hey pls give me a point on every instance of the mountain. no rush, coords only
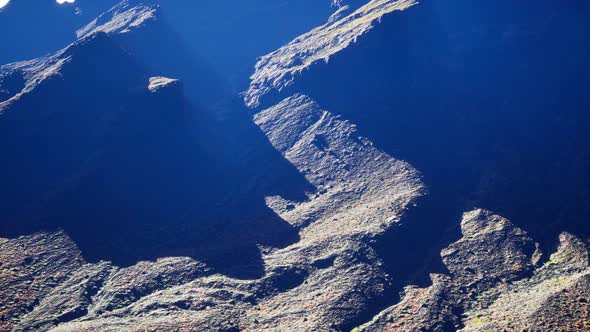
(498, 105)
(231, 34)
(142, 30)
(401, 166)
(53, 28)
(117, 141)
(495, 104)
(34, 28)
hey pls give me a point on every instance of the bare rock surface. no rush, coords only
(359, 188)
(553, 298)
(159, 83)
(278, 70)
(329, 276)
(495, 284)
(125, 17)
(325, 281)
(30, 268)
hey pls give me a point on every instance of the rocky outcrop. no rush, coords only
(141, 28)
(360, 193)
(328, 280)
(30, 268)
(55, 308)
(491, 251)
(34, 28)
(495, 282)
(176, 217)
(553, 298)
(429, 95)
(316, 284)
(360, 187)
(279, 69)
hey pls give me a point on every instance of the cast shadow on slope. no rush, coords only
(493, 112)
(33, 28)
(132, 174)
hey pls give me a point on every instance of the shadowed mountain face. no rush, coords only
(142, 30)
(232, 34)
(488, 103)
(33, 28)
(403, 166)
(133, 173)
(227, 34)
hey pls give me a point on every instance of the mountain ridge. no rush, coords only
(393, 169)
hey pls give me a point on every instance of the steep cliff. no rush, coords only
(403, 166)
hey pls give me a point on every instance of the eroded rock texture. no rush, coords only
(346, 198)
(496, 284)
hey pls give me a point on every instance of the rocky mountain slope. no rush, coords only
(382, 179)
(33, 28)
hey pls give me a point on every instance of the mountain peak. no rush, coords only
(276, 71)
(122, 18)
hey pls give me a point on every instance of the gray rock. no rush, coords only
(276, 71)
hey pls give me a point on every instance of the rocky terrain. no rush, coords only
(374, 176)
(496, 283)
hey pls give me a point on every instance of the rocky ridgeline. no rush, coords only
(331, 277)
(278, 70)
(327, 279)
(312, 285)
(496, 283)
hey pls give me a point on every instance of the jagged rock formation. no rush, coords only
(231, 34)
(34, 28)
(496, 284)
(172, 209)
(112, 147)
(278, 70)
(553, 298)
(29, 268)
(141, 29)
(415, 75)
(332, 271)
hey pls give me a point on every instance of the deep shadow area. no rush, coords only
(132, 174)
(490, 104)
(231, 34)
(33, 28)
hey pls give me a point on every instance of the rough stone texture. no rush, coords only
(551, 299)
(278, 70)
(359, 188)
(30, 267)
(492, 285)
(331, 278)
(125, 17)
(325, 281)
(67, 301)
(159, 83)
(492, 251)
(316, 284)
(420, 309)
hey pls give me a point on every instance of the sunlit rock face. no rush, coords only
(495, 282)
(475, 105)
(232, 34)
(402, 166)
(128, 173)
(487, 90)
